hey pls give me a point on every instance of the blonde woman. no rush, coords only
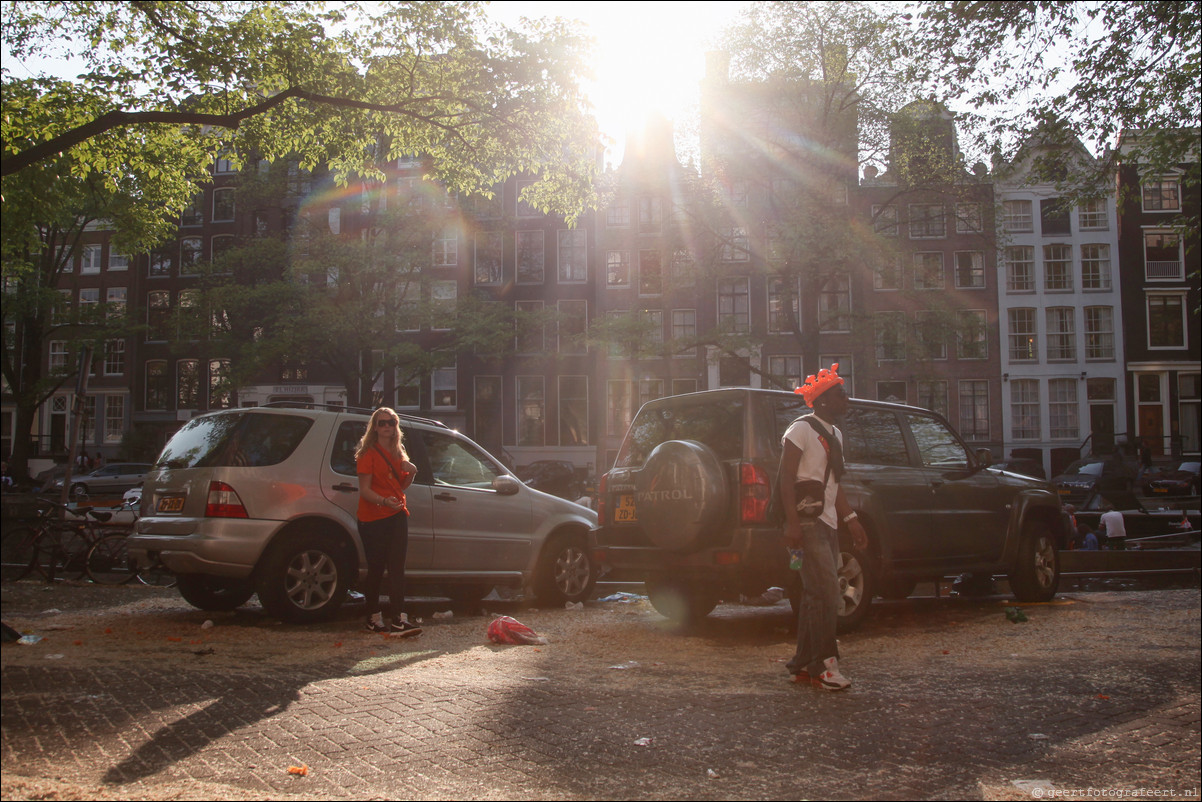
(385, 473)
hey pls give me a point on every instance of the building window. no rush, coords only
(618, 214)
(619, 407)
(1095, 267)
(443, 299)
(1092, 215)
(1054, 218)
(1062, 409)
(735, 246)
(531, 411)
(220, 245)
(114, 418)
(224, 165)
(684, 331)
(89, 305)
(1058, 267)
(1024, 340)
(968, 218)
(617, 269)
(887, 276)
(573, 323)
(786, 369)
(932, 395)
(223, 205)
(974, 409)
(489, 251)
(651, 214)
(1166, 320)
(890, 329)
(118, 261)
(972, 343)
(683, 274)
(89, 259)
(446, 247)
(1189, 393)
(734, 305)
(444, 388)
(928, 271)
(158, 384)
(158, 312)
(1017, 216)
(114, 358)
(114, 303)
(159, 265)
(191, 250)
(221, 390)
(784, 313)
(58, 356)
(573, 410)
(1099, 332)
(1163, 195)
(927, 221)
(530, 257)
(408, 391)
(930, 335)
(1024, 409)
(1162, 255)
(193, 213)
(834, 304)
(651, 275)
(970, 270)
(573, 266)
(187, 384)
(1062, 335)
(1020, 268)
(531, 330)
(884, 221)
(894, 392)
(653, 320)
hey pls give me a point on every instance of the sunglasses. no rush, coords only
(387, 423)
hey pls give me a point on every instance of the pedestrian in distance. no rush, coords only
(815, 506)
(385, 473)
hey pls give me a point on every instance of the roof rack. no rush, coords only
(358, 410)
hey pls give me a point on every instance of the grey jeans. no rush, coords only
(818, 611)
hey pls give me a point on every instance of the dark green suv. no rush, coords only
(690, 505)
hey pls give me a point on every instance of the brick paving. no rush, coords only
(950, 701)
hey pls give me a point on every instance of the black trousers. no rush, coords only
(385, 544)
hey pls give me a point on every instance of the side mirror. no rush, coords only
(984, 457)
(506, 485)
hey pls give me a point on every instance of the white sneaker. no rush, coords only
(831, 679)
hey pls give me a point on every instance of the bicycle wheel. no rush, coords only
(108, 561)
(61, 553)
(16, 552)
(156, 575)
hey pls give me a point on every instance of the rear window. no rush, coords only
(235, 440)
(717, 424)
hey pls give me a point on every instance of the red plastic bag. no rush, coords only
(510, 630)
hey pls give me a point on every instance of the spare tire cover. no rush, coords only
(680, 494)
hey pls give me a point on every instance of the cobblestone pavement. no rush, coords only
(951, 700)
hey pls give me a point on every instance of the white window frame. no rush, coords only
(982, 340)
(1018, 216)
(89, 260)
(1182, 301)
(1058, 272)
(1099, 333)
(1020, 272)
(925, 223)
(1025, 409)
(976, 269)
(1023, 334)
(530, 243)
(617, 269)
(1061, 333)
(572, 256)
(1095, 267)
(922, 271)
(1064, 414)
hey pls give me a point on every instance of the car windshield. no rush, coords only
(237, 440)
(1190, 467)
(717, 424)
(1085, 469)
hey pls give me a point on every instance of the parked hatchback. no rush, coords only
(116, 477)
(690, 504)
(263, 500)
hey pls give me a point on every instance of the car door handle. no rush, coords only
(446, 497)
(346, 487)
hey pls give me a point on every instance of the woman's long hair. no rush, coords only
(370, 439)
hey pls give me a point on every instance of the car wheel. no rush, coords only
(565, 571)
(1036, 576)
(303, 579)
(215, 593)
(681, 495)
(680, 602)
(79, 489)
(857, 585)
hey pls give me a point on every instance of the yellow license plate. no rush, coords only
(171, 504)
(1160, 490)
(625, 512)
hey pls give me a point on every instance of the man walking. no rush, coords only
(813, 462)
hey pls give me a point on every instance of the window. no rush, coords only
(572, 255)
(932, 395)
(224, 165)
(1062, 336)
(684, 330)
(1162, 255)
(783, 306)
(444, 388)
(928, 271)
(650, 215)
(974, 409)
(930, 335)
(619, 407)
(193, 214)
(89, 304)
(489, 250)
(446, 247)
(187, 384)
(651, 276)
(58, 356)
(1020, 269)
(1091, 215)
(1166, 320)
(775, 244)
(60, 312)
(654, 322)
(1024, 341)
(115, 303)
(223, 205)
(1062, 409)
(1054, 218)
(114, 358)
(1095, 267)
(530, 257)
(617, 268)
(159, 265)
(971, 344)
(408, 391)
(89, 259)
(573, 322)
(443, 296)
(531, 331)
(158, 311)
(683, 274)
(458, 463)
(1099, 332)
(786, 369)
(118, 261)
(970, 270)
(158, 384)
(884, 221)
(938, 446)
(968, 218)
(1017, 216)
(734, 304)
(89, 419)
(1024, 409)
(735, 246)
(890, 329)
(114, 418)
(221, 394)
(874, 437)
(1163, 195)
(220, 244)
(888, 274)
(190, 252)
(573, 410)
(834, 304)
(617, 215)
(1189, 391)
(531, 411)
(927, 221)
(1058, 267)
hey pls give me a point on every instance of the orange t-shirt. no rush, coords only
(383, 481)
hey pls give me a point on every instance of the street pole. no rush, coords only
(81, 390)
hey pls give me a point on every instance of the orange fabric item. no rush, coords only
(376, 462)
(817, 385)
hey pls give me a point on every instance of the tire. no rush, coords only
(681, 495)
(857, 586)
(108, 561)
(16, 552)
(1036, 575)
(79, 489)
(60, 553)
(680, 602)
(304, 579)
(565, 571)
(215, 593)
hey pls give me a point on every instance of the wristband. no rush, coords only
(851, 516)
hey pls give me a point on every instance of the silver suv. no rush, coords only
(263, 500)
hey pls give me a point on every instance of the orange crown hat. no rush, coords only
(817, 385)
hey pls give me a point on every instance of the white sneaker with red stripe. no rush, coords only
(830, 679)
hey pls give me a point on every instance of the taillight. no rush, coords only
(755, 493)
(603, 500)
(223, 502)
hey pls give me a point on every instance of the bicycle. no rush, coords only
(61, 541)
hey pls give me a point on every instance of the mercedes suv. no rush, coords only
(263, 500)
(691, 508)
